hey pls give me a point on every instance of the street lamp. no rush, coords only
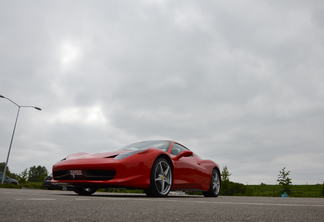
(13, 132)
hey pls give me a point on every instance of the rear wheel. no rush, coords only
(84, 191)
(161, 179)
(215, 185)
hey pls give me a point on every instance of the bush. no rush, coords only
(231, 188)
(284, 181)
(37, 173)
(34, 185)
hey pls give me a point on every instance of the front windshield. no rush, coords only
(159, 144)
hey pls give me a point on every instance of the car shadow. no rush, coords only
(127, 195)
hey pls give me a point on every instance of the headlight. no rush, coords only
(124, 155)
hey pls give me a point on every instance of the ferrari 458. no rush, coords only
(154, 166)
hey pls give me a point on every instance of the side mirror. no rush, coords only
(184, 153)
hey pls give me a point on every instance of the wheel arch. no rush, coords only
(210, 165)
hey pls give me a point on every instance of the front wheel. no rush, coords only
(161, 179)
(84, 191)
(215, 185)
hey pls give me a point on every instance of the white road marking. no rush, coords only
(41, 199)
(82, 199)
(221, 202)
(35, 199)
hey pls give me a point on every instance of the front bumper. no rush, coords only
(119, 173)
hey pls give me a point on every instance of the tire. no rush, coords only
(215, 184)
(84, 191)
(161, 179)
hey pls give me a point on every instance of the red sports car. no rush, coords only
(155, 166)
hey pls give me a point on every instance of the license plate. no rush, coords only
(76, 172)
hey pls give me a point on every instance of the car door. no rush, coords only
(185, 168)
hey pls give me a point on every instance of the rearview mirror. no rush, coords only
(184, 153)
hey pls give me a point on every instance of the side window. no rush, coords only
(177, 148)
(162, 145)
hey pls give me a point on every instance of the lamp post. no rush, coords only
(13, 132)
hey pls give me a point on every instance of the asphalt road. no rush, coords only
(43, 205)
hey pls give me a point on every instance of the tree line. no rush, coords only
(283, 188)
(31, 174)
(233, 188)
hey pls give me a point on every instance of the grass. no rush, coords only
(307, 190)
(263, 190)
(14, 186)
(34, 185)
(30, 185)
(275, 190)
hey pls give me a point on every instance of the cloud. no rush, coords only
(239, 83)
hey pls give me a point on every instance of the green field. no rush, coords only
(238, 189)
(275, 190)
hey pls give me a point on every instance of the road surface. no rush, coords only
(44, 205)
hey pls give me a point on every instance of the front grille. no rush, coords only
(86, 175)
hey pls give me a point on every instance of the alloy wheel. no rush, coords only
(216, 182)
(163, 177)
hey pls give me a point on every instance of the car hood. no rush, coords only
(95, 155)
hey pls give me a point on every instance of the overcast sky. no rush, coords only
(239, 82)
